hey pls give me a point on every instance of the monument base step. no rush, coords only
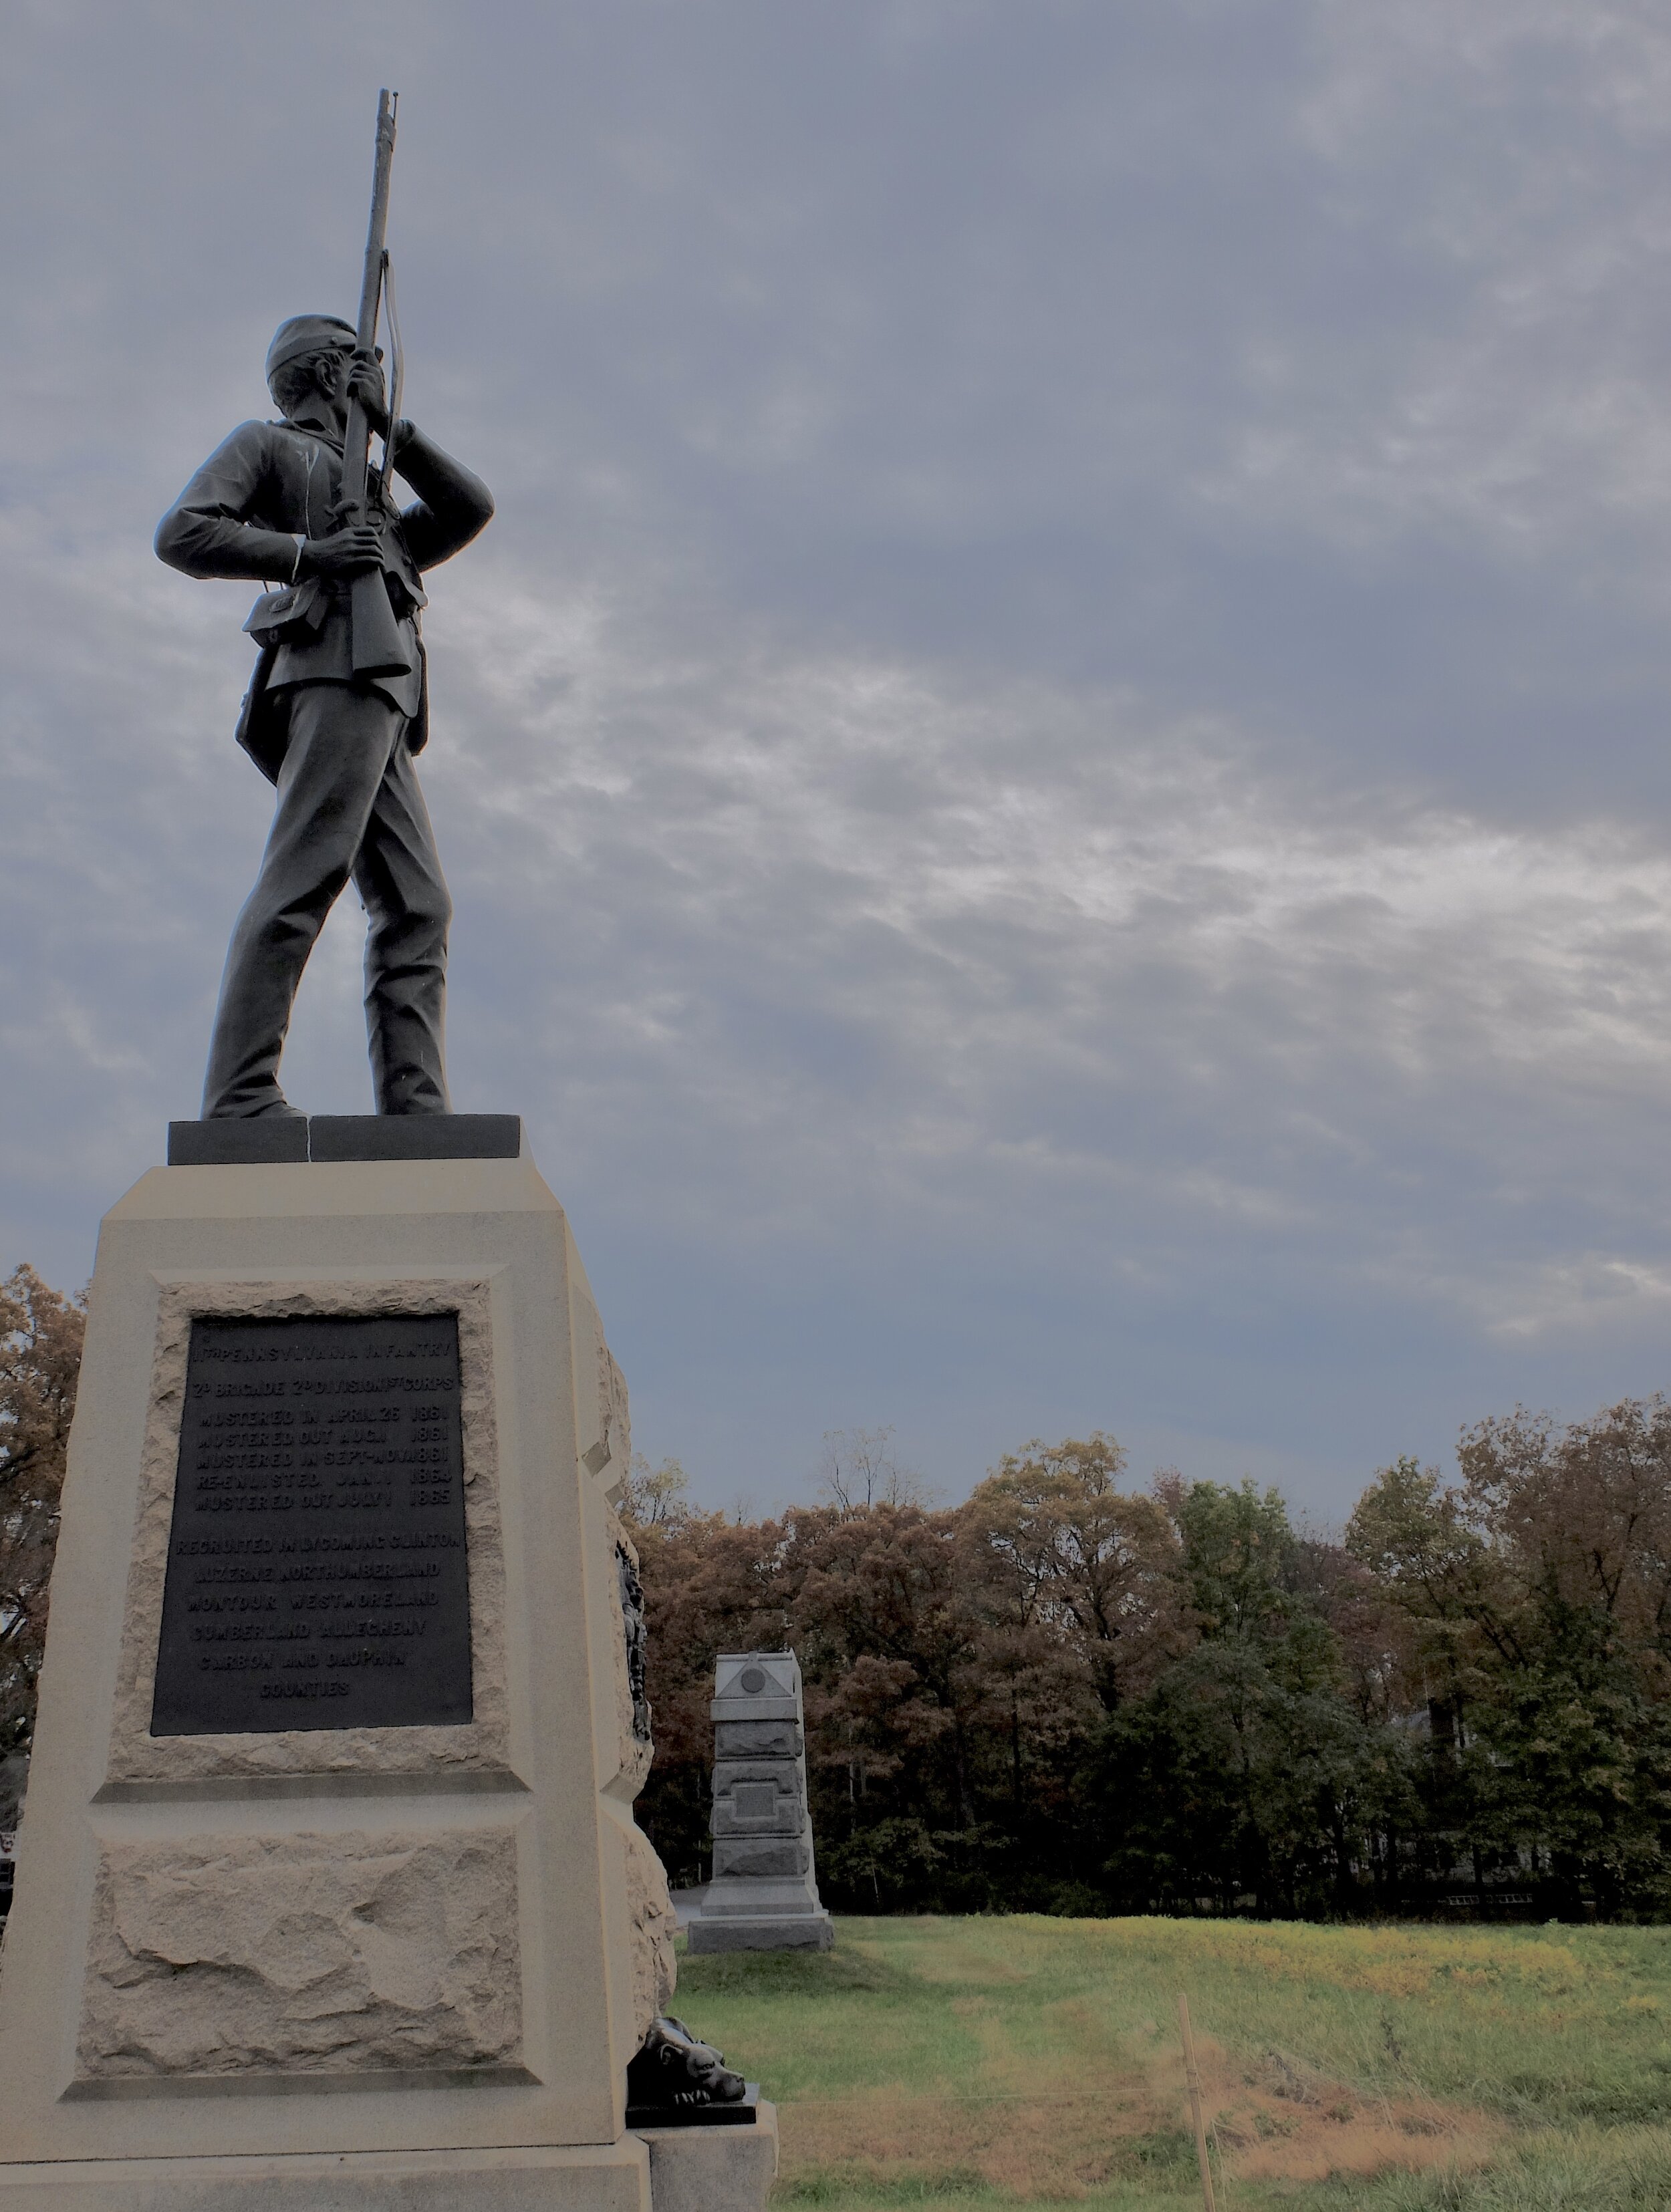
(713, 2169)
(799, 1931)
(591, 2178)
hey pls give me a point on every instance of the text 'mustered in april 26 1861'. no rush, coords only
(318, 1576)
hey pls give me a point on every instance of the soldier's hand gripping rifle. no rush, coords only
(378, 648)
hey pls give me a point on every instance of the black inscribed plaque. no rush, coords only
(318, 1576)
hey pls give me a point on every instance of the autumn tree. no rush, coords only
(40, 1348)
(1539, 1587)
(1095, 1567)
(857, 1470)
(709, 1586)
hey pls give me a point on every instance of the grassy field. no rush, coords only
(983, 2063)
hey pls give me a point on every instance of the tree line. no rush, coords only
(1067, 1694)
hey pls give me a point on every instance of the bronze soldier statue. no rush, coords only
(337, 737)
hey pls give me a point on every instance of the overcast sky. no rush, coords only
(1054, 770)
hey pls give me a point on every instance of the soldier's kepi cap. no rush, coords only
(305, 334)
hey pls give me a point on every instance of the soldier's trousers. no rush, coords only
(348, 805)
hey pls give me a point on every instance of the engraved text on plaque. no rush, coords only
(317, 1577)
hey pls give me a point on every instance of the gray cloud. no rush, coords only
(1054, 770)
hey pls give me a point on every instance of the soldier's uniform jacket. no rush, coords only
(272, 483)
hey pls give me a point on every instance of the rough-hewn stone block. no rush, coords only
(736, 1856)
(756, 1739)
(260, 1954)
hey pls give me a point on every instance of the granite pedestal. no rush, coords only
(329, 1892)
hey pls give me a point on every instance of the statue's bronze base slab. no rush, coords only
(269, 1139)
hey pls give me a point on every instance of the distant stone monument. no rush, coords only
(764, 1893)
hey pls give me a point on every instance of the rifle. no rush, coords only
(377, 646)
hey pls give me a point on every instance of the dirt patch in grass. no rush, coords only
(893, 2145)
(1272, 2120)
(1275, 2119)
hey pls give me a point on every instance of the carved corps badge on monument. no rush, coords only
(318, 1576)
